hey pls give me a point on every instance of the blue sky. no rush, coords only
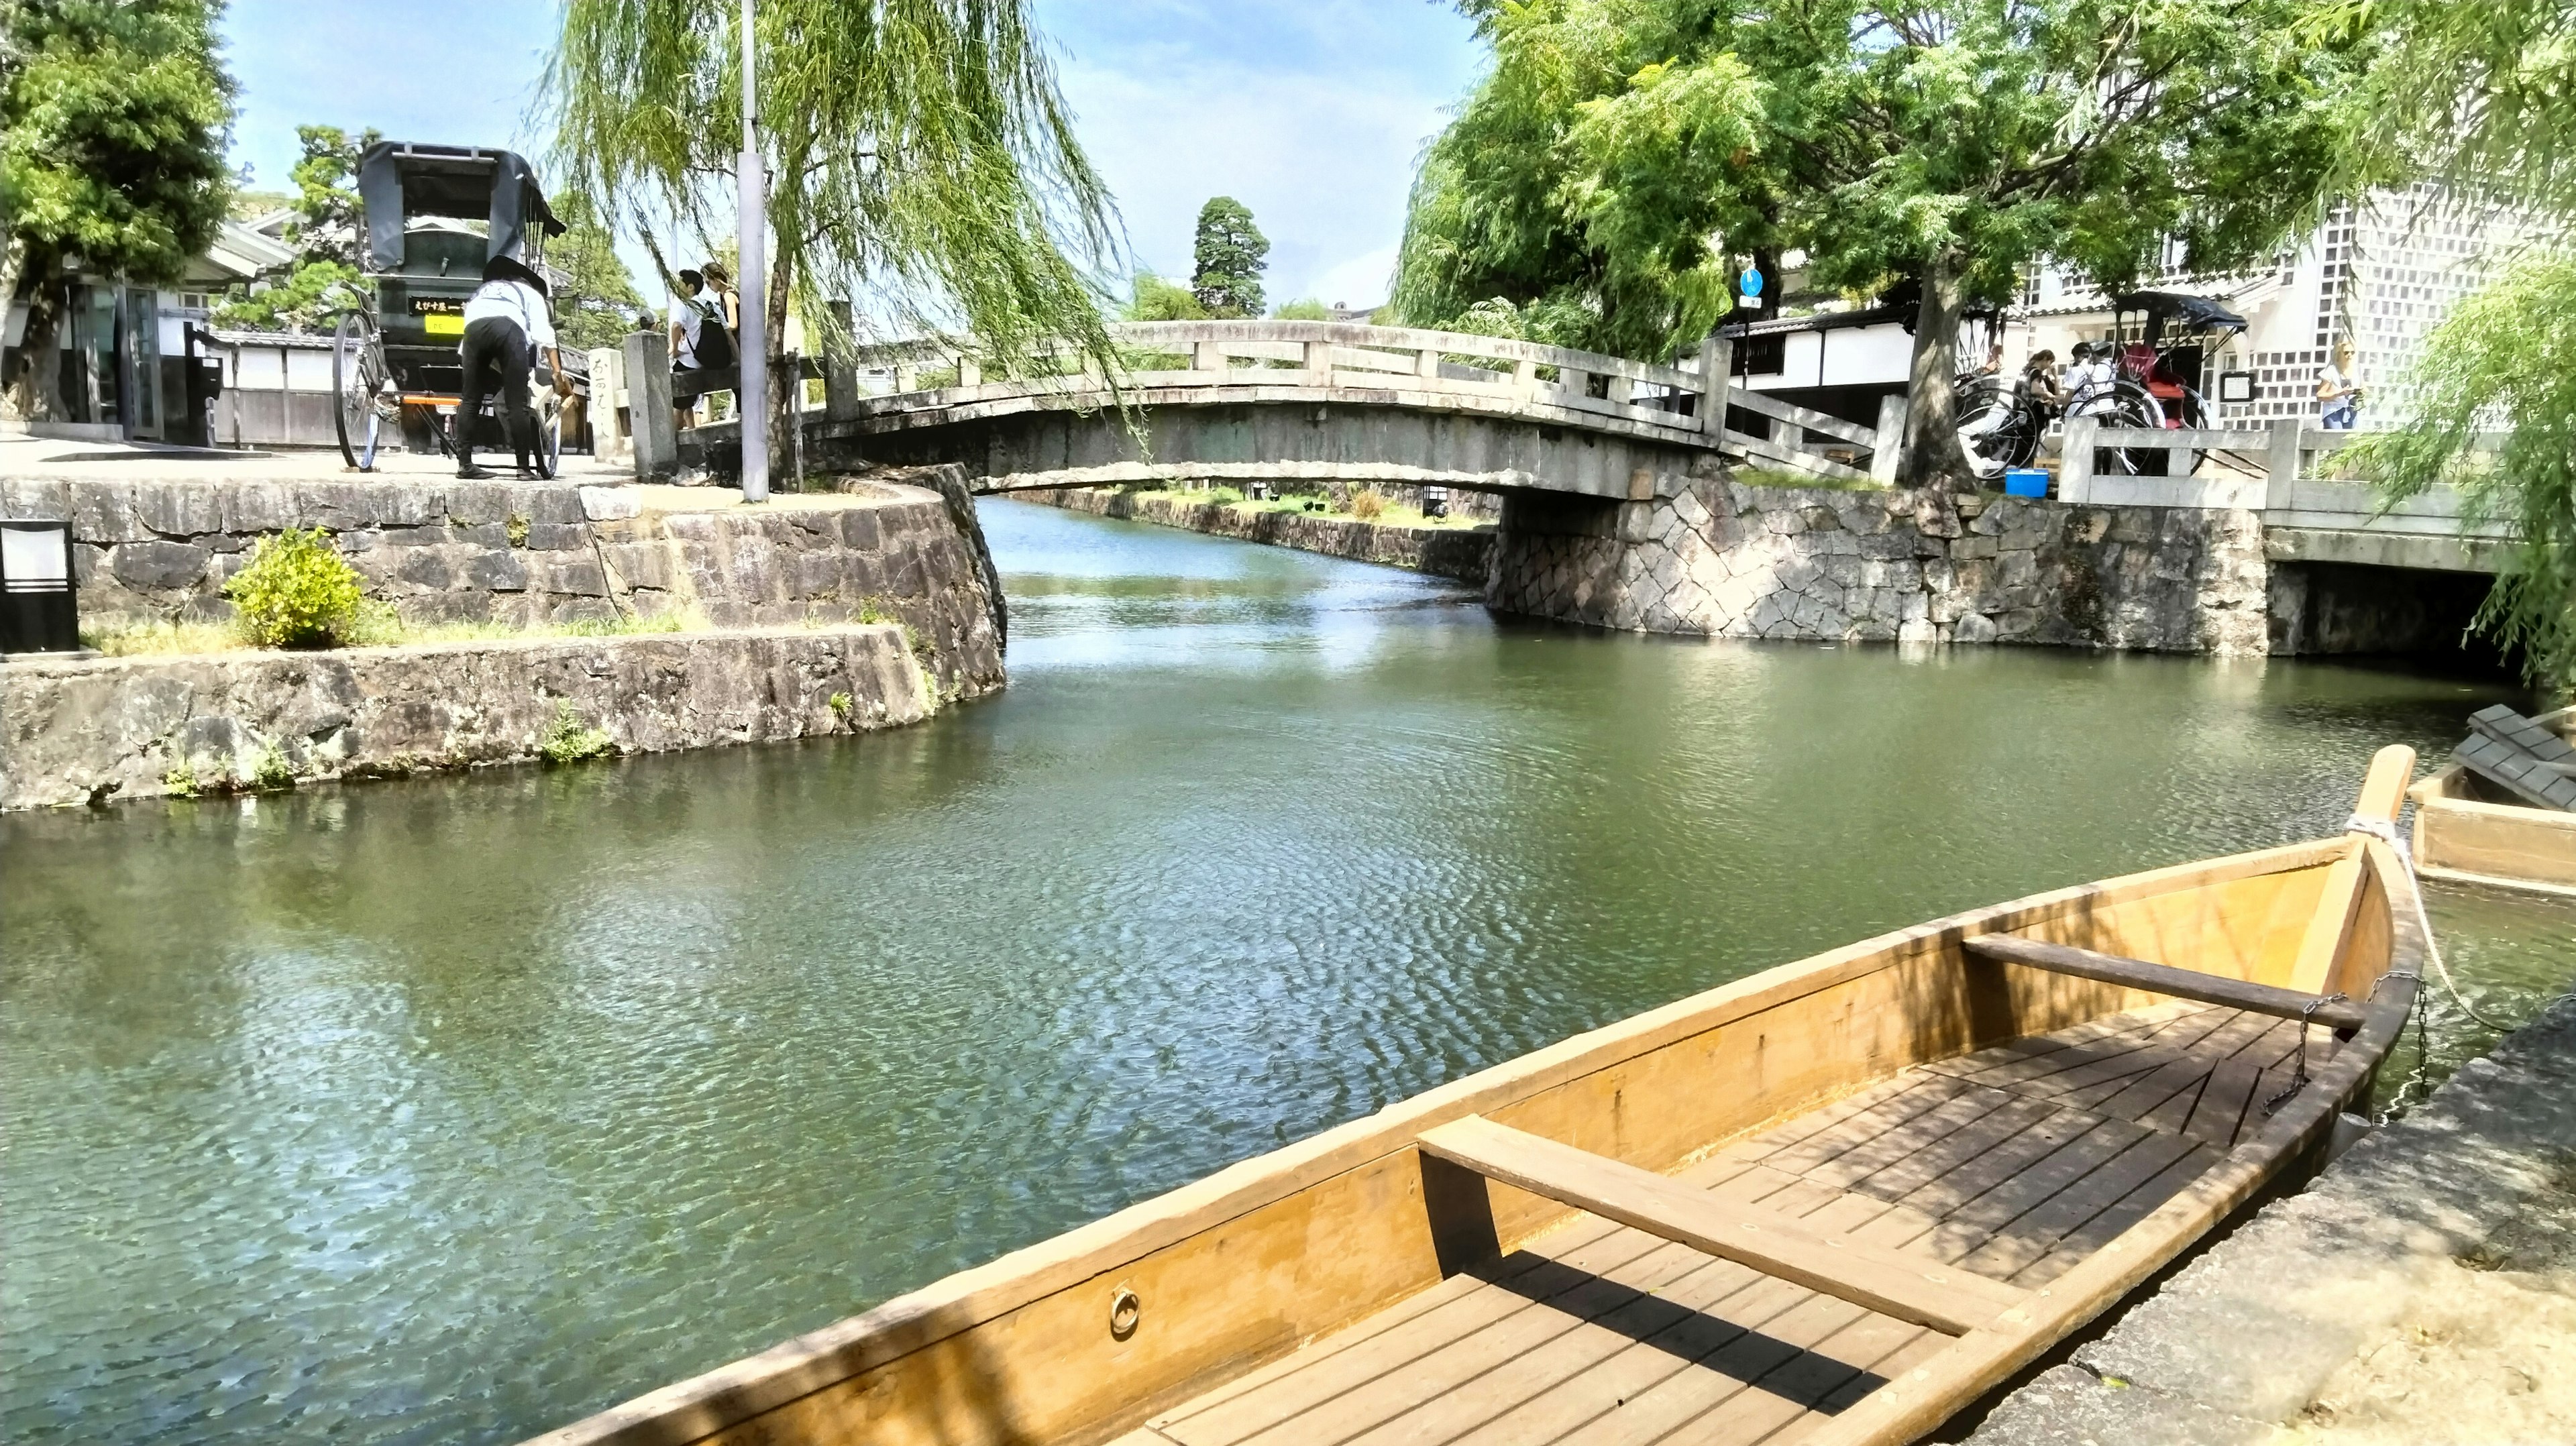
(1309, 111)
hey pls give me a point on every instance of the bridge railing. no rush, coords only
(2278, 471)
(1430, 367)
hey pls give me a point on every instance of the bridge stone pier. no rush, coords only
(1625, 500)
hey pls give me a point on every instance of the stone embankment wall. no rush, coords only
(1442, 551)
(1716, 557)
(91, 730)
(440, 551)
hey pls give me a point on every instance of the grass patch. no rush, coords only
(568, 740)
(1783, 477)
(376, 625)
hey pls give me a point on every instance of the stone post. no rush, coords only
(1888, 440)
(907, 375)
(1525, 378)
(1716, 365)
(1615, 390)
(611, 439)
(1208, 356)
(970, 372)
(649, 418)
(2075, 465)
(1319, 363)
(2281, 469)
(1426, 362)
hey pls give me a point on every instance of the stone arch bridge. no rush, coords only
(1623, 503)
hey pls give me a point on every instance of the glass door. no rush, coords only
(142, 362)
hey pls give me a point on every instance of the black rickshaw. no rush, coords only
(435, 215)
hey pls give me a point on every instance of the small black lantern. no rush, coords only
(37, 611)
(1435, 501)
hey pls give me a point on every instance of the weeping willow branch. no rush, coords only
(920, 155)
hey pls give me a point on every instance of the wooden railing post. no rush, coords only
(650, 420)
(2075, 466)
(1716, 362)
(1887, 440)
(2281, 464)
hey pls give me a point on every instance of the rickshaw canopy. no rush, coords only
(398, 180)
(2197, 313)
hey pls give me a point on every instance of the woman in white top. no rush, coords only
(2339, 390)
(507, 328)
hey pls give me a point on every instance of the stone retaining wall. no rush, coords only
(1442, 551)
(441, 551)
(1716, 557)
(99, 729)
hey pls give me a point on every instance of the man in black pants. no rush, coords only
(507, 326)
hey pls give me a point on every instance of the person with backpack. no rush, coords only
(700, 343)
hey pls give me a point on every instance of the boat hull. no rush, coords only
(1088, 1336)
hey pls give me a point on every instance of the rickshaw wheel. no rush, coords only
(360, 382)
(550, 425)
(1997, 429)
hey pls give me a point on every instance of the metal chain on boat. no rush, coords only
(2299, 1079)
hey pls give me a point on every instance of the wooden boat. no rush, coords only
(1828, 1204)
(2466, 833)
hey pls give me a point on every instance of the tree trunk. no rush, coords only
(1930, 458)
(37, 389)
(783, 380)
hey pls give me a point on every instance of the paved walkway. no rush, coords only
(23, 456)
(2421, 1290)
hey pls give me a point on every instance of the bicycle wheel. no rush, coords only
(363, 406)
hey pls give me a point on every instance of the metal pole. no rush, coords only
(752, 242)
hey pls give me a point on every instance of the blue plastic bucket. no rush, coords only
(2025, 482)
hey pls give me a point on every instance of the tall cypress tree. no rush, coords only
(114, 119)
(1231, 252)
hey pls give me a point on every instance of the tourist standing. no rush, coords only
(507, 328)
(2092, 384)
(688, 322)
(2339, 390)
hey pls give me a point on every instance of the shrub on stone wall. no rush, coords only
(297, 592)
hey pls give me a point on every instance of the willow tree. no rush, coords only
(919, 153)
(2483, 98)
(1623, 154)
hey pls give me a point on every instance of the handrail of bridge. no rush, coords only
(1550, 383)
(2271, 466)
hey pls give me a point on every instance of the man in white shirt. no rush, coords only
(508, 326)
(688, 321)
(2092, 384)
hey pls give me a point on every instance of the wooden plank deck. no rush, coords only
(2013, 1164)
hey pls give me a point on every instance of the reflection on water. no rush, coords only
(452, 1109)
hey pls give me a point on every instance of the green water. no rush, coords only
(450, 1110)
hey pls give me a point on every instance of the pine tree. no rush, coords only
(1230, 254)
(328, 231)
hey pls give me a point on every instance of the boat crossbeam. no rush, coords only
(1910, 1288)
(2341, 1015)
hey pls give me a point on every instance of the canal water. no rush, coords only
(450, 1110)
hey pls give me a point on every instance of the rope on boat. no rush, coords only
(2385, 830)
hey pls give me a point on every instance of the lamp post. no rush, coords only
(752, 242)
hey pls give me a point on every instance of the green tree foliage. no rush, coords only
(920, 154)
(1151, 298)
(2505, 357)
(1305, 308)
(296, 591)
(114, 118)
(328, 229)
(596, 302)
(1622, 154)
(1230, 254)
(2484, 97)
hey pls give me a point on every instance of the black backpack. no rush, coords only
(715, 344)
